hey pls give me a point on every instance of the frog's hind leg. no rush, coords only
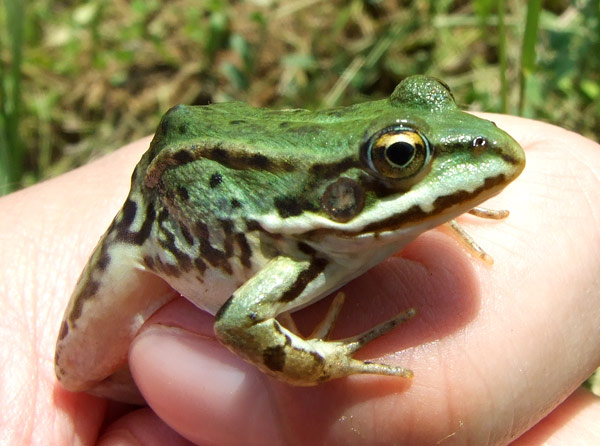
(247, 324)
(113, 297)
(325, 327)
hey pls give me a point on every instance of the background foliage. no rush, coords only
(79, 79)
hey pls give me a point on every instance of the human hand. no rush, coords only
(494, 349)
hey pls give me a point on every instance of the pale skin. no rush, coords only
(494, 349)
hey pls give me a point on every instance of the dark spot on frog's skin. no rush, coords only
(224, 308)
(89, 291)
(184, 262)
(218, 154)
(149, 262)
(169, 270)
(122, 227)
(306, 249)
(182, 129)
(64, 331)
(167, 242)
(259, 161)
(183, 193)
(237, 122)
(227, 236)
(253, 225)
(214, 256)
(245, 251)
(376, 186)
(291, 206)
(60, 371)
(274, 358)
(128, 214)
(186, 235)
(235, 204)
(317, 266)
(215, 180)
(284, 124)
(253, 316)
(182, 157)
(200, 265)
(162, 216)
(332, 170)
(103, 260)
(287, 206)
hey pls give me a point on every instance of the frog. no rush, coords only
(253, 213)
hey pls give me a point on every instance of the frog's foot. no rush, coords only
(306, 362)
(468, 241)
(337, 354)
(324, 328)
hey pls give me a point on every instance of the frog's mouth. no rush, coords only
(395, 216)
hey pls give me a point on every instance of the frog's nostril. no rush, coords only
(480, 142)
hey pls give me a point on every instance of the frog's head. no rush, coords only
(415, 162)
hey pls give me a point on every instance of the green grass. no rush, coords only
(81, 79)
(12, 148)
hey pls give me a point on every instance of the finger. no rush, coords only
(141, 428)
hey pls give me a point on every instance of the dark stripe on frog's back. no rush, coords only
(239, 136)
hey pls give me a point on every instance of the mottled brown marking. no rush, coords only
(306, 249)
(244, 247)
(332, 170)
(166, 268)
(186, 235)
(182, 157)
(167, 242)
(64, 330)
(274, 358)
(253, 225)
(103, 260)
(128, 213)
(183, 193)
(227, 226)
(200, 265)
(148, 261)
(214, 256)
(137, 237)
(89, 291)
(316, 267)
(215, 180)
(292, 206)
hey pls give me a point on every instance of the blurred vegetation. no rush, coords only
(79, 79)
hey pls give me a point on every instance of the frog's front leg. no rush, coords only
(247, 325)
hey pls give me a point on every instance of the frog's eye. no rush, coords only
(396, 153)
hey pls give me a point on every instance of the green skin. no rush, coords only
(252, 213)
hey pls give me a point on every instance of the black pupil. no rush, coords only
(400, 153)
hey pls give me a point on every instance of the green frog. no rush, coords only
(253, 213)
